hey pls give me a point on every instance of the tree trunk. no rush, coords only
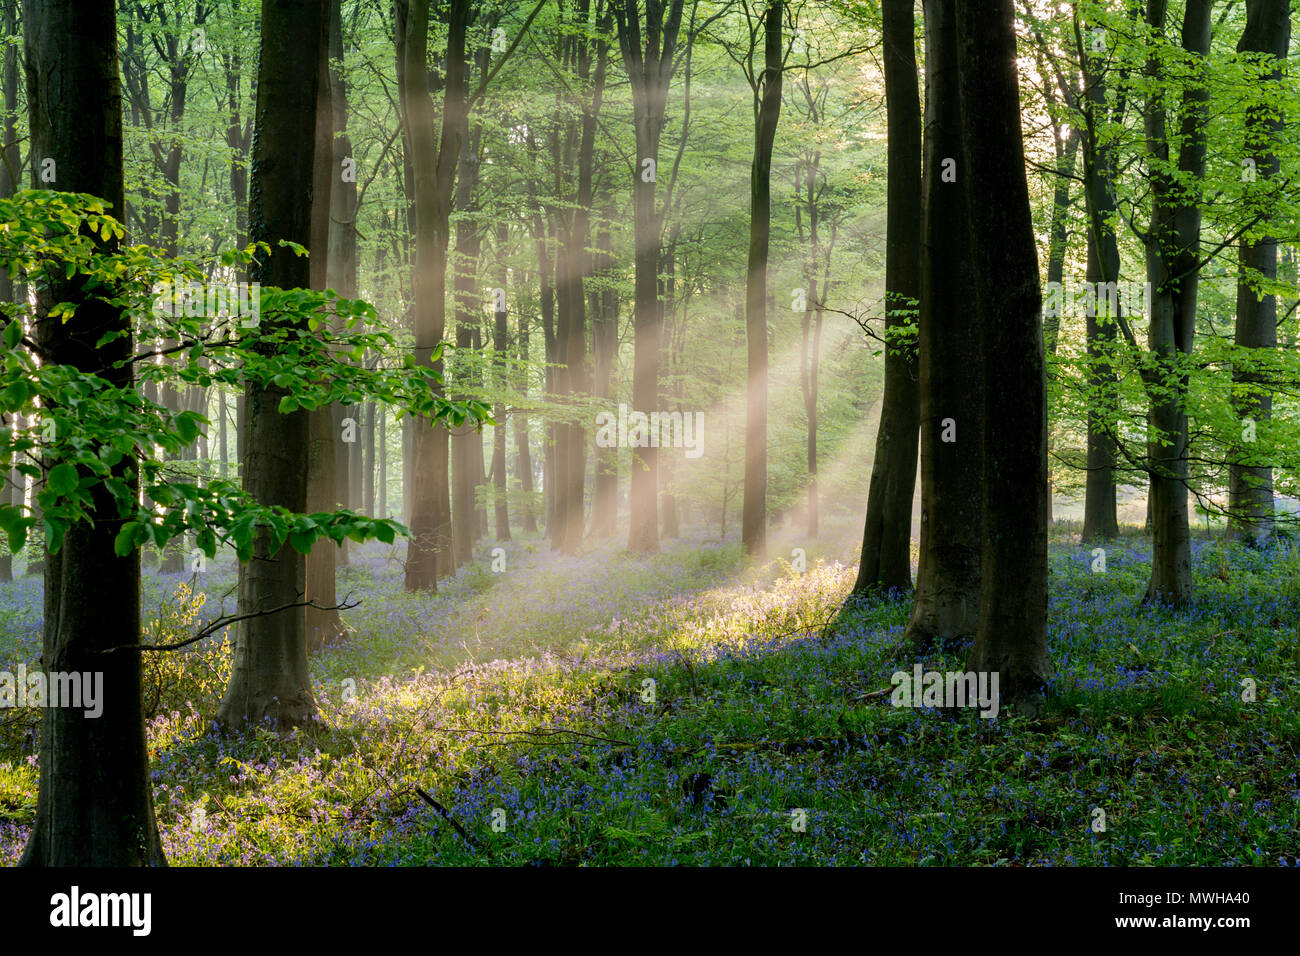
(1100, 514)
(767, 113)
(95, 801)
(1011, 636)
(500, 346)
(13, 487)
(523, 453)
(945, 604)
(269, 678)
(466, 452)
(1172, 270)
(323, 624)
(429, 550)
(887, 536)
(1250, 482)
(650, 69)
(604, 351)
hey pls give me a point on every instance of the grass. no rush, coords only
(690, 710)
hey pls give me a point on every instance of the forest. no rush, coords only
(649, 433)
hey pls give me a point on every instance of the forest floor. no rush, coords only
(690, 709)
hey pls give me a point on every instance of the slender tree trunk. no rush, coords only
(1100, 508)
(381, 504)
(1173, 251)
(945, 604)
(1250, 482)
(322, 624)
(466, 452)
(650, 67)
(269, 676)
(523, 453)
(500, 347)
(94, 805)
(767, 114)
(1011, 636)
(604, 350)
(429, 550)
(669, 527)
(887, 536)
(8, 184)
(1066, 160)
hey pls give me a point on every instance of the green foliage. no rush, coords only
(96, 438)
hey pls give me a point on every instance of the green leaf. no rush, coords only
(62, 478)
(124, 543)
(187, 428)
(55, 529)
(13, 334)
(17, 536)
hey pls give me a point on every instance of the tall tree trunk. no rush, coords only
(588, 59)
(767, 113)
(1172, 270)
(429, 550)
(269, 677)
(945, 605)
(342, 255)
(523, 453)
(381, 503)
(1011, 636)
(500, 347)
(1058, 233)
(669, 527)
(649, 66)
(1250, 483)
(322, 623)
(604, 350)
(887, 536)
(466, 452)
(13, 487)
(95, 801)
(1100, 509)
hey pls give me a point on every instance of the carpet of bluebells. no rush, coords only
(691, 709)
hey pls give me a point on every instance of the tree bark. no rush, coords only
(269, 678)
(767, 113)
(1172, 271)
(327, 451)
(1250, 482)
(886, 561)
(1100, 508)
(429, 550)
(649, 66)
(945, 604)
(469, 242)
(95, 800)
(604, 350)
(523, 452)
(9, 161)
(1011, 635)
(500, 345)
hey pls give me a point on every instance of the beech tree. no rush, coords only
(1173, 257)
(766, 86)
(946, 601)
(886, 559)
(648, 50)
(1250, 485)
(1011, 635)
(434, 170)
(95, 803)
(269, 677)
